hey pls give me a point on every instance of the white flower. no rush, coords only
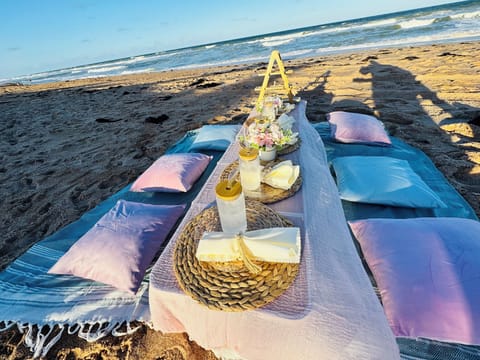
(286, 122)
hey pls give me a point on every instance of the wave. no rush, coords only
(352, 27)
(285, 39)
(467, 15)
(275, 40)
(326, 31)
(121, 62)
(106, 69)
(159, 56)
(128, 72)
(377, 23)
(210, 46)
(409, 24)
(420, 39)
(134, 59)
(235, 61)
(276, 43)
(296, 53)
(45, 74)
(443, 19)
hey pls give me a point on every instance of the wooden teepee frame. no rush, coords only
(286, 88)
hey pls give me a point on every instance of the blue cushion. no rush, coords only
(215, 137)
(382, 180)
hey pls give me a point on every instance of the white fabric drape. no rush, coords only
(330, 311)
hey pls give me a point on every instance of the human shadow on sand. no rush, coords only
(400, 98)
(402, 102)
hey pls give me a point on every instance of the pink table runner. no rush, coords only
(330, 311)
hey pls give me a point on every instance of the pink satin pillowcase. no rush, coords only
(349, 127)
(428, 274)
(118, 249)
(172, 173)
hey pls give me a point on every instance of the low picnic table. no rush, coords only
(330, 311)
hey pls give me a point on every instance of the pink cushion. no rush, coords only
(118, 249)
(172, 173)
(357, 128)
(428, 273)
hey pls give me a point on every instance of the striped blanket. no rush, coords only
(29, 296)
(421, 348)
(45, 305)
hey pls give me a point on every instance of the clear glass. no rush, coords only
(250, 174)
(233, 216)
(269, 111)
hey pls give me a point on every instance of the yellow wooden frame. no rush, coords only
(286, 88)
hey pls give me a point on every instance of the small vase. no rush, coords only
(268, 154)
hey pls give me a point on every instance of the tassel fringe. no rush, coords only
(41, 339)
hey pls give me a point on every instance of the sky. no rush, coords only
(43, 35)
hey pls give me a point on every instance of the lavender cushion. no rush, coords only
(215, 137)
(383, 180)
(118, 249)
(428, 273)
(349, 127)
(172, 173)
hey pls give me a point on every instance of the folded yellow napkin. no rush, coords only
(277, 244)
(282, 176)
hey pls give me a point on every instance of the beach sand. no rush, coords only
(67, 146)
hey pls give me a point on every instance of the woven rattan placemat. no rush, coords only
(236, 290)
(288, 149)
(266, 194)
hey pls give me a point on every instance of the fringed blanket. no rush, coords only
(421, 348)
(46, 305)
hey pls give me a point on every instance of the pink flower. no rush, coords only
(261, 134)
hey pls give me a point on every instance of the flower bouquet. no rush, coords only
(268, 135)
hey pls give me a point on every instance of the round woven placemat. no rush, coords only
(289, 149)
(267, 194)
(230, 290)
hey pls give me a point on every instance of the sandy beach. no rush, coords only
(67, 146)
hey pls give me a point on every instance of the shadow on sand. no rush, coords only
(417, 115)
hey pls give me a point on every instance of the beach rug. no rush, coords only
(456, 206)
(46, 305)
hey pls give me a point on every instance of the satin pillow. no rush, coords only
(349, 127)
(172, 173)
(428, 274)
(118, 249)
(215, 137)
(382, 180)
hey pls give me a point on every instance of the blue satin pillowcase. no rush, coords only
(383, 180)
(215, 137)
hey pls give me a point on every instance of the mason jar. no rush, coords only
(269, 111)
(231, 207)
(250, 169)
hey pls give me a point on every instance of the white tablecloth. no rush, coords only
(330, 311)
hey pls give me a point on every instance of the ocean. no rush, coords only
(439, 24)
